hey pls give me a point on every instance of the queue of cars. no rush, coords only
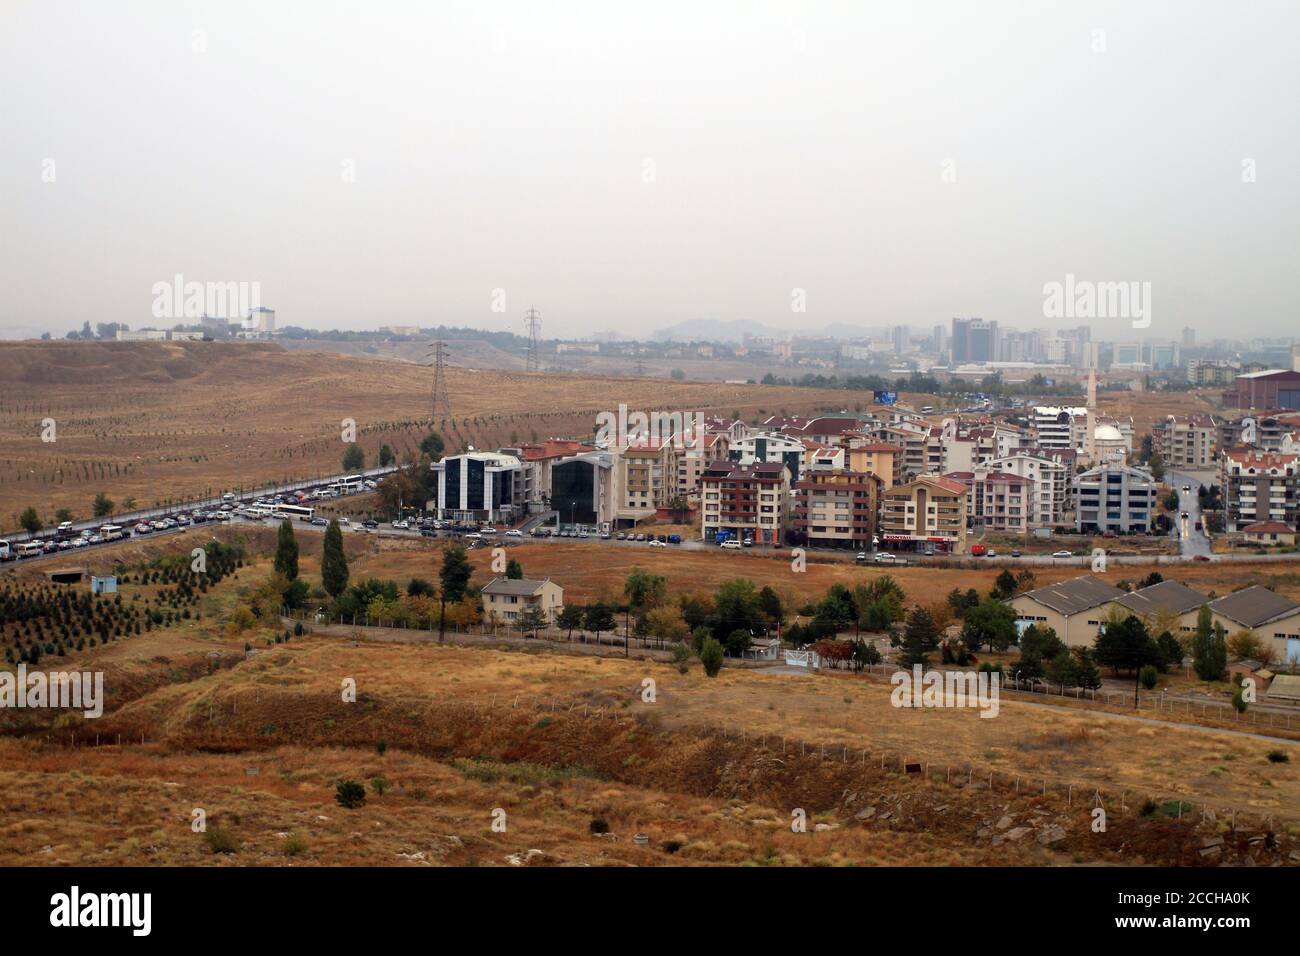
(292, 505)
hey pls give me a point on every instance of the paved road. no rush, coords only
(1189, 531)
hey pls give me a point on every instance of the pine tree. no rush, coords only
(1209, 648)
(334, 563)
(919, 637)
(286, 551)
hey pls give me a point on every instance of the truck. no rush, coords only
(978, 550)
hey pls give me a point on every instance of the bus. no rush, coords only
(6, 552)
(110, 532)
(347, 485)
(30, 549)
(301, 512)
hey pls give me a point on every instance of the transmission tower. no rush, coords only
(533, 326)
(440, 405)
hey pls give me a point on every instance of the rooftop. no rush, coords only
(1253, 606)
(1075, 595)
(1166, 597)
(523, 587)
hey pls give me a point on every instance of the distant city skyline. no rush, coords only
(635, 168)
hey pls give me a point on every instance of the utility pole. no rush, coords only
(533, 326)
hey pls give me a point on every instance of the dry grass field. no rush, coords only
(156, 422)
(559, 741)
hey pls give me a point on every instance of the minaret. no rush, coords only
(1090, 439)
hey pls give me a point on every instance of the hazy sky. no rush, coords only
(631, 165)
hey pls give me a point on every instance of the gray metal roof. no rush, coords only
(1073, 596)
(1165, 597)
(1254, 606)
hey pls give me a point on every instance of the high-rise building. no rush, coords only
(974, 340)
(900, 338)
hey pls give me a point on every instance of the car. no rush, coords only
(428, 533)
(731, 544)
(539, 533)
(1187, 488)
(885, 556)
(622, 536)
(1184, 516)
(345, 521)
(658, 544)
(318, 520)
(1201, 557)
(674, 539)
(747, 542)
(401, 525)
(65, 527)
(584, 533)
(1015, 553)
(605, 536)
(487, 529)
(640, 536)
(370, 523)
(1062, 554)
(514, 533)
(861, 557)
(992, 553)
(473, 536)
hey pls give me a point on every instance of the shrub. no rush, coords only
(1149, 676)
(711, 656)
(218, 840)
(350, 794)
(598, 825)
(295, 846)
(1279, 756)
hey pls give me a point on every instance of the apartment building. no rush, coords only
(1048, 494)
(1060, 426)
(1114, 497)
(879, 458)
(1186, 441)
(1259, 486)
(745, 501)
(836, 509)
(693, 458)
(646, 479)
(772, 448)
(927, 512)
(996, 500)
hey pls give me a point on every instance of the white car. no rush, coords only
(1063, 554)
(661, 544)
(65, 527)
(514, 533)
(487, 530)
(401, 524)
(731, 544)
